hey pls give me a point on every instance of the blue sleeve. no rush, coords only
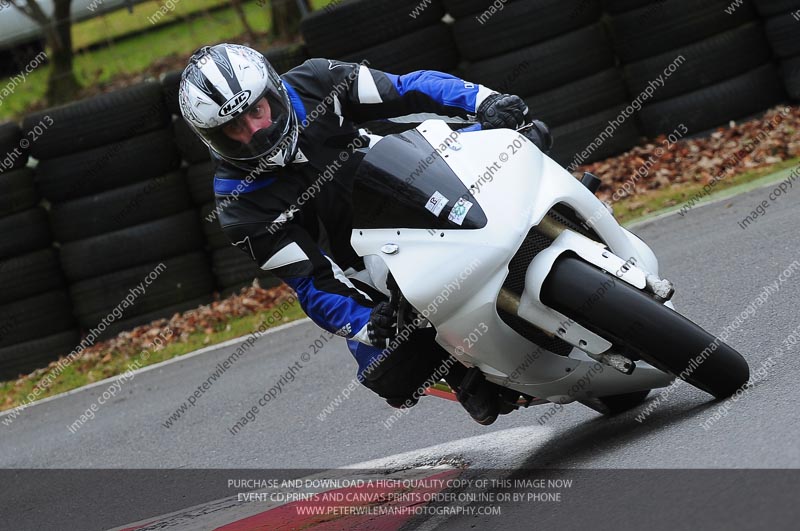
(434, 91)
(337, 313)
(368, 94)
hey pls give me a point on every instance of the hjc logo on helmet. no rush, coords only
(235, 103)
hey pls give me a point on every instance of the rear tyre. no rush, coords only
(616, 404)
(663, 337)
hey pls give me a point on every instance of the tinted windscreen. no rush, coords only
(403, 182)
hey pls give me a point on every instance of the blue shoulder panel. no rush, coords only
(228, 186)
(297, 103)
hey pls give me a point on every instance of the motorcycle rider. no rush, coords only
(286, 149)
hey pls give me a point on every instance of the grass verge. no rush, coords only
(114, 362)
(120, 22)
(138, 54)
(636, 206)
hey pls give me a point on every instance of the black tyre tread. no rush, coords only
(768, 8)
(570, 140)
(23, 358)
(189, 144)
(575, 100)
(100, 120)
(547, 65)
(17, 191)
(120, 208)
(24, 232)
(108, 167)
(619, 6)
(170, 83)
(200, 178)
(232, 267)
(463, 8)
(40, 315)
(709, 61)
(140, 244)
(184, 278)
(29, 274)
(284, 58)
(664, 338)
(430, 48)
(791, 77)
(709, 107)
(519, 24)
(215, 237)
(782, 32)
(652, 30)
(355, 24)
(12, 154)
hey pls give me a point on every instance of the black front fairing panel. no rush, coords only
(402, 174)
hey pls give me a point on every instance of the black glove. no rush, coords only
(538, 133)
(382, 324)
(502, 111)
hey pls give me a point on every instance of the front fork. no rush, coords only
(596, 254)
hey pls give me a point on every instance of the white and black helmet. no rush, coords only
(223, 82)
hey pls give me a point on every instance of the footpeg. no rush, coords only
(618, 362)
(660, 287)
(615, 361)
(590, 181)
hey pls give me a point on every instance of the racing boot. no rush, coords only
(476, 395)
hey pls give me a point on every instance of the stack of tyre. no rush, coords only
(36, 323)
(782, 25)
(119, 207)
(232, 268)
(556, 55)
(717, 61)
(397, 36)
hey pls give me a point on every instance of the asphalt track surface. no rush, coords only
(718, 269)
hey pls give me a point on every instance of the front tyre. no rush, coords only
(663, 337)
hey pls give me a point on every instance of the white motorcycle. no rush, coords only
(525, 274)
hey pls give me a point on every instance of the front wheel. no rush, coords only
(664, 338)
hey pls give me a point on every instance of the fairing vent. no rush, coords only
(533, 244)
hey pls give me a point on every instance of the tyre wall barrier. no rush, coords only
(97, 194)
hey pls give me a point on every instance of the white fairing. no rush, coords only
(454, 276)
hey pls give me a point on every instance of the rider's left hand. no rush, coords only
(502, 111)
